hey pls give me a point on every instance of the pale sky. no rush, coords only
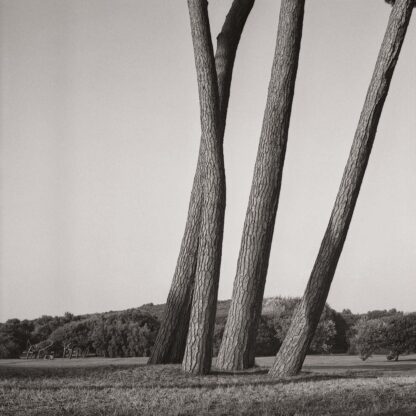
(99, 134)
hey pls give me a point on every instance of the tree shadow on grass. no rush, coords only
(304, 377)
(42, 372)
(205, 383)
(401, 412)
(171, 377)
(396, 367)
(253, 371)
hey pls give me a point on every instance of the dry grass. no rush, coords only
(328, 386)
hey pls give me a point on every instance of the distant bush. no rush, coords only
(370, 335)
(129, 335)
(393, 333)
(13, 337)
(400, 337)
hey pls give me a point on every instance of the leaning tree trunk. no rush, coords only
(170, 342)
(198, 350)
(292, 353)
(238, 343)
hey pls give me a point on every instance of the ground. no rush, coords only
(328, 385)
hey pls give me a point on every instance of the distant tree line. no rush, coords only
(132, 333)
(129, 333)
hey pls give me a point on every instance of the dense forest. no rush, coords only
(132, 332)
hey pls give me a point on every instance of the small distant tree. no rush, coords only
(13, 337)
(370, 336)
(400, 335)
(68, 317)
(9, 347)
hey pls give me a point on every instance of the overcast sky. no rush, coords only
(99, 130)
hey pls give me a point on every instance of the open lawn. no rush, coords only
(328, 385)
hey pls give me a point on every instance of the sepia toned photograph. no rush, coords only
(207, 207)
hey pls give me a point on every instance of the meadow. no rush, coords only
(328, 385)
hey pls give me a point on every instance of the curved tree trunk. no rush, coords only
(171, 338)
(198, 351)
(238, 343)
(292, 353)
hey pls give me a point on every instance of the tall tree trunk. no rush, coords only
(238, 343)
(292, 353)
(198, 350)
(171, 338)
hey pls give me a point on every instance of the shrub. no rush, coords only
(400, 335)
(370, 335)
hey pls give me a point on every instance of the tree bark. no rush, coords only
(292, 353)
(238, 343)
(198, 350)
(170, 342)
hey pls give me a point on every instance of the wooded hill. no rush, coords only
(132, 332)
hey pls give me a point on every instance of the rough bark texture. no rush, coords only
(237, 347)
(171, 338)
(292, 353)
(198, 350)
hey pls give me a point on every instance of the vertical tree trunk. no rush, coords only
(170, 342)
(198, 350)
(292, 353)
(238, 343)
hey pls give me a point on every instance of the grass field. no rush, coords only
(328, 385)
